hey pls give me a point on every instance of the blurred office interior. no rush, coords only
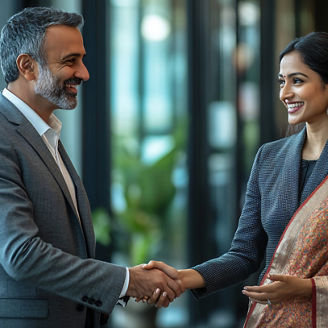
(181, 95)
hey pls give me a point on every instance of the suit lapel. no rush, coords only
(290, 171)
(34, 139)
(319, 172)
(82, 201)
(27, 131)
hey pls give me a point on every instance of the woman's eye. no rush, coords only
(281, 83)
(297, 80)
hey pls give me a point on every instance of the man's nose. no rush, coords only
(82, 73)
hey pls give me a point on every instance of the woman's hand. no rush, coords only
(282, 288)
(188, 279)
(160, 298)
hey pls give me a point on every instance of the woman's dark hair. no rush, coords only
(313, 49)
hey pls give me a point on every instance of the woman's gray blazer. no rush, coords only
(272, 197)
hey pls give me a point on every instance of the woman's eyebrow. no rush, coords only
(292, 74)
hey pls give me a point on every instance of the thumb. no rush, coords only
(149, 265)
(168, 270)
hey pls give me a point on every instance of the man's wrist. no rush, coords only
(126, 284)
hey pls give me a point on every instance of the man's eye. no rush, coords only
(69, 61)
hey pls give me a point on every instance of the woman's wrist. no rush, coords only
(306, 288)
(191, 279)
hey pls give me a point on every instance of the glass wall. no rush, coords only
(222, 119)
(148, 115)
(231, 103)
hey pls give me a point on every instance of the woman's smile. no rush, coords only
(293, 107)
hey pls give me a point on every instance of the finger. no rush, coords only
(163, 301)
(175, 286)
(143, 299)
(278, 277)
(149, 265)
(155, 297)
(257, 289)
(170, 271)
(170, 293)
(264, 288)
(258, 297)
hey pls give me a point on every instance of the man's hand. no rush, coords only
(144, 283)
(188, 279)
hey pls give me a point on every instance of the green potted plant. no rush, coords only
(148, 192)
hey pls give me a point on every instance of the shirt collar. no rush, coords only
(38, 123)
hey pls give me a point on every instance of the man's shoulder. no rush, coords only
(8, 112)
(8, 116)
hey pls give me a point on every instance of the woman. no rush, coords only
(285, 215)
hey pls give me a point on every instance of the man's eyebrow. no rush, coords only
(73, 55)
(292, 74)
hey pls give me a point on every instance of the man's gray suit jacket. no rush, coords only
(48, 277)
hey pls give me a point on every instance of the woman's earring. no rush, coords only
(327, 111)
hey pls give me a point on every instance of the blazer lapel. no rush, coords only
(319, 172)
(27, 131)
(30, 134)
(82, 202)
(290, 171)
(33, 138)
(293, 167)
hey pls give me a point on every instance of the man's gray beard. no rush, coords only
(48, 87)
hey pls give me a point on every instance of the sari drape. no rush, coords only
(303, 252)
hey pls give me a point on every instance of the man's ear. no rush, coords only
(27, 66)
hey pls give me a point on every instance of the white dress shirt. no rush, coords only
(50, 134)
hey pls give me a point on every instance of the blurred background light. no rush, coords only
(155, 27)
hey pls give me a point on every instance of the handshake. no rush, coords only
(159, 284)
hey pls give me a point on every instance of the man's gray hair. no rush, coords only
(24, 33)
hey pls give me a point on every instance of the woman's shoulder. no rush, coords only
(278, 143)
(281, 149)
(284, 143)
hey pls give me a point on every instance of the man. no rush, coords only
(48, 275)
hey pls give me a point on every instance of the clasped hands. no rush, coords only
(156, 283)
(159, 284)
